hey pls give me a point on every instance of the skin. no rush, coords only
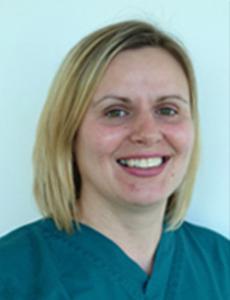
(140, 109)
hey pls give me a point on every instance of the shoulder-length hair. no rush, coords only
(57, 182)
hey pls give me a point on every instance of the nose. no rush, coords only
(146, 130)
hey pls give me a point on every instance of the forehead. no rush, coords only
(148, 69)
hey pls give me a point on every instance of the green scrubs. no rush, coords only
(38, 261)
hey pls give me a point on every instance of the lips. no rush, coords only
(144, 166)
(143, 162)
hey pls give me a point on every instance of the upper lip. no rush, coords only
(144, 156)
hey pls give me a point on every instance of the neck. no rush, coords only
(136, 230)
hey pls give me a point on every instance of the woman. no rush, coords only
(115, 161)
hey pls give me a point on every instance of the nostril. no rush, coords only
(146, 137)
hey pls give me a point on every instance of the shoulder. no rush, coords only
(205, 243)
(204, 235)
(21, 242)
(19, 238)
(204, 255)
(17, 250)
(25, 260)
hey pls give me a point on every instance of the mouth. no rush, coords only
(143, 163)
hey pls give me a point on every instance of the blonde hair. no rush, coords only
(57, 182)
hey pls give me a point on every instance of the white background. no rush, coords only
(34, 38)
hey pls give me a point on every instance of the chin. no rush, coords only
(145, 201)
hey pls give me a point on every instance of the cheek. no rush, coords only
(182, 137)
(100, 140)
(182, 140)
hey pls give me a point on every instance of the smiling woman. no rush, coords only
(137, 134)
(115, 161)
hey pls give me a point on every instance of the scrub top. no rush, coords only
(38, 261)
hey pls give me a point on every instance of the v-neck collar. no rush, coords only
(139, 284)
(165, 263)
(121, 268)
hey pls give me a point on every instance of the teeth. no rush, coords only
(142, 163)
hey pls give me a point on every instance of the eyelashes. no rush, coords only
(116, 113)
(166, 111)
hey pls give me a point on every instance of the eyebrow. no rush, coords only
(115, 97)
(178, 97)
(127, 100)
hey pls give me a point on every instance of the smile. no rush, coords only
(143, 163)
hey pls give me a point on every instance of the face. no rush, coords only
(135, 142)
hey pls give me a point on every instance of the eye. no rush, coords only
(116, 113)
(167, 111)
